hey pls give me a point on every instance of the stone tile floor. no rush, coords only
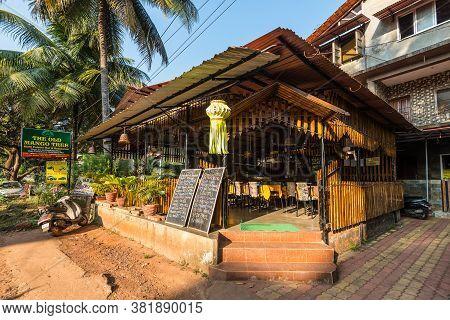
(409, 262)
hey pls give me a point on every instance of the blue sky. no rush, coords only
(244, 21)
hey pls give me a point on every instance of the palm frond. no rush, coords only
(184, 9)
(67, 92)
(22, 31)
(123, 73)
(49, 9)
(18, 82)
(115, 33)
(141, 27)
(49, 56)
(88, 76)
(11, 61)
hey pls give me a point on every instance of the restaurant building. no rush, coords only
(311, 151)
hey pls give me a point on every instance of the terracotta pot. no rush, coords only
(111, 196)
(101, 198)
(150, 209)
(120, 202)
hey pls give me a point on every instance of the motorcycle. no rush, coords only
(416, 207)
(67, 211)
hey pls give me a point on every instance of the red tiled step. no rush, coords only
(325, 272)
(260, 236)
(270, 252)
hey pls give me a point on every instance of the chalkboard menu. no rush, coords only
(183, 195)
(205, 199)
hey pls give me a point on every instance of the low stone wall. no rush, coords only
(346, 239)
(352, 237)
(180, 245)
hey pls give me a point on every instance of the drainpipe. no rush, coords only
(426, 167)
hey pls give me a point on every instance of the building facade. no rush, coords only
(401, 51)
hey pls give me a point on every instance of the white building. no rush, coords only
(401, 51)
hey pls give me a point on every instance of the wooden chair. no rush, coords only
(254, 195)
(291, 194)
(276, 194)
(302, 194)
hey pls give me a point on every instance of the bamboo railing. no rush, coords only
(164, 202)
(350, 203)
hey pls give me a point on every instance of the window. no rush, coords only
(423, 18)
(348, 49)
(443, 100)
(406, 25)
(442, 10)
(403, 106)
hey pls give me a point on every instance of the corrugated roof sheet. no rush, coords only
(333, 19)
(302, 64)
(397, 7)
(230, 64)
(340, 29)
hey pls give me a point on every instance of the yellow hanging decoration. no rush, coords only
(218, 112)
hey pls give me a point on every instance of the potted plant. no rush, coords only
(125, 187)
(148, 193)
(111, 184)
(100, 190)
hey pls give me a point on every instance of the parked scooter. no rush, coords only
(417, 207)
(67, 211)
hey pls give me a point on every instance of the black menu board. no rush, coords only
(183, 195)
(205, 199)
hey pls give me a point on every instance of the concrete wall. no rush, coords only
(417, 188)
(381, 38)
(179, 245)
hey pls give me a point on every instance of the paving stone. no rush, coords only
(409, 263)
(325, 296)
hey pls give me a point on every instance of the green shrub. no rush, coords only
(123, 167)
(48, 195)
(92, 163)
(3, 200)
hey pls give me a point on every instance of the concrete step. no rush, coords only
(267, 236)
(275, 252)
(225, 271)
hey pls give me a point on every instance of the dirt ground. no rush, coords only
(133, 271)
(408, 262)
(89, 263)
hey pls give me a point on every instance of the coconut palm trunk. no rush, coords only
(104, 68)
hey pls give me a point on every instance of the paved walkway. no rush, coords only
(410, 262)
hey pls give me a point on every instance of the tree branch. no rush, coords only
(20, 177)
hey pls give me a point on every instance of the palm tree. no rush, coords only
(113, 17)
(55, 82)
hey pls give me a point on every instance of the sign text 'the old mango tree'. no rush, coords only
(45, 144)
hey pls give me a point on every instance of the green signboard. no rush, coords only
(45, 144)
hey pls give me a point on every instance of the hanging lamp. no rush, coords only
(218, 112)
(91, 149)
(124, 139)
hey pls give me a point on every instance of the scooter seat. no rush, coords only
(60, 216)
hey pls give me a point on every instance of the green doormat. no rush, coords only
(278, 227)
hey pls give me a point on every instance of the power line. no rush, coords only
(209, 25)
(187, 39)
(173, 34)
